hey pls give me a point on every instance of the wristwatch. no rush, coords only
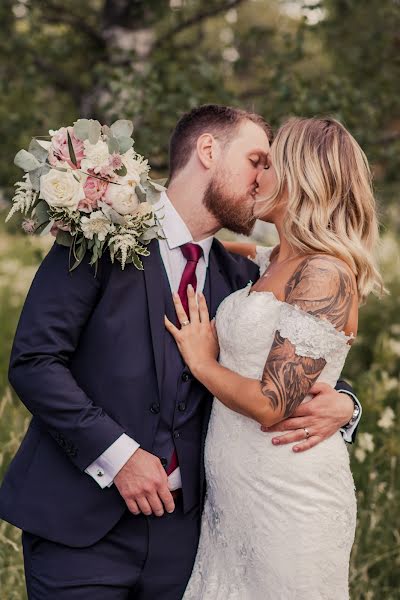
(355, 415)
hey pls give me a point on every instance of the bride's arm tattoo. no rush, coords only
(287, 378)
(323, 287)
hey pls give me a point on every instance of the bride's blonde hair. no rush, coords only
(330, 203)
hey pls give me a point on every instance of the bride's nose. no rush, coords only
(259, 176)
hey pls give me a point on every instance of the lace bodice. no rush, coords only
(277, 525)
(246, 313)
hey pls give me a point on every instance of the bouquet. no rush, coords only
(86, 185)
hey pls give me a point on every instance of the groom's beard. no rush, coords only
(233, 212)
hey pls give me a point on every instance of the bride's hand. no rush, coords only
(197, 339)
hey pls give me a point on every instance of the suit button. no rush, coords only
(164, 461)
(176, 434)
(185, 376)
(155, 408)
(182, 406)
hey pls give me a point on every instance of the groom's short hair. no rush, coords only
(212, 118)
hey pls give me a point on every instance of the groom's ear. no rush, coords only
(208, 150)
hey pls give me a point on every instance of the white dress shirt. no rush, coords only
(105, 467)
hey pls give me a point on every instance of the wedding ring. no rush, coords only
(185, 323)
(306, 432)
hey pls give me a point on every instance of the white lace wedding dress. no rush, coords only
(276, 525)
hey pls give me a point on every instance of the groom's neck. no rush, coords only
(187, 199)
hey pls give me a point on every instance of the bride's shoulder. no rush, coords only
(324, 286)
(325, 269)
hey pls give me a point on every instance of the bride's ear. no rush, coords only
(208, 150)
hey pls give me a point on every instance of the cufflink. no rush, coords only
(100, 473)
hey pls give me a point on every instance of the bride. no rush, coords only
(279, 525)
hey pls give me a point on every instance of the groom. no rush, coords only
(108, 483)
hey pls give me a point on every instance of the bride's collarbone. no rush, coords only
(275, 280)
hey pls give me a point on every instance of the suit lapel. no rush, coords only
(153, 277)
(220, 287)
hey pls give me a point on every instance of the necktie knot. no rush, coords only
(192, 252)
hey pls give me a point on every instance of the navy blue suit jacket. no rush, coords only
(87, 362)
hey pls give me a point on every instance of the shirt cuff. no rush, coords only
(107, 465)
(348, 431)
(175, 480)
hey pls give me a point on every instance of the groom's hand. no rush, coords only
(143, 484)
(322, 416)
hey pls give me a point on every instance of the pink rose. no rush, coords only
(94, 189)
(59, 151)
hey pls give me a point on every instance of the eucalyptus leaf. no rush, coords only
(26, 161)
(124, 143)
(140, 193)
(38, 150)
(35, 176)
(81, 129)
(94, 132)
(148, 235)
(156, 184)
(42, 227)
(106, 130)
(122, 128)
(81, 251)
(44, 144)
(41, 212)
(46, 229)
(113, 145)
(152, 195)
(159, 182)
(122, 171)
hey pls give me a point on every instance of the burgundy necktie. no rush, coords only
(192, 253)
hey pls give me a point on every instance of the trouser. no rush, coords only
(141, 558)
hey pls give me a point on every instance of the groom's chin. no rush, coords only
(241, 228)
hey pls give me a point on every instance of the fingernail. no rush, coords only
(190, 287)
(295, 449)
(276, 442)
(265, 428)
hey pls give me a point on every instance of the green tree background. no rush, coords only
(151, 61)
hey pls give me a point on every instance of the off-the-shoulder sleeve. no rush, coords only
(263, 257)
(311, 336)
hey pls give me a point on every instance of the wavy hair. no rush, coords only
(331, 207)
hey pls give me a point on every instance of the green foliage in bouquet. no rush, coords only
(88, 187)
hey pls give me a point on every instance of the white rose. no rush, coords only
(122, 198)
(61, 190)
(96, 156)
(135, 165)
